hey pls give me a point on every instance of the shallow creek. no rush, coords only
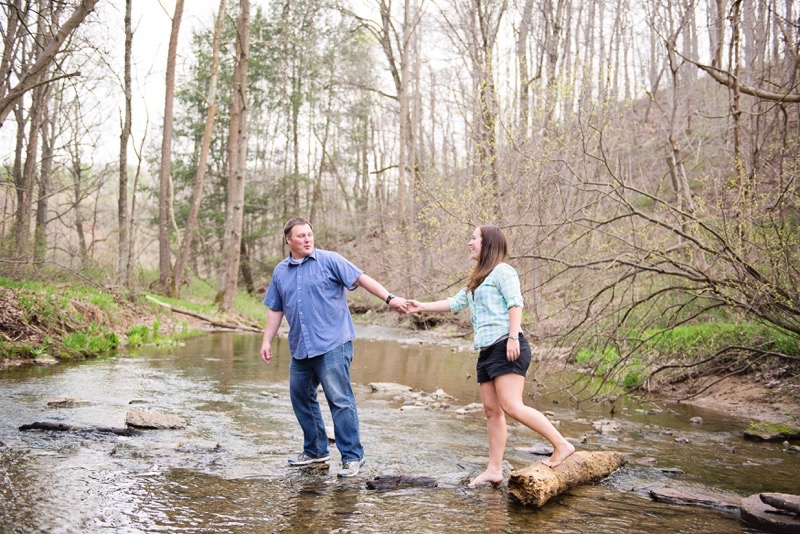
(227, 471)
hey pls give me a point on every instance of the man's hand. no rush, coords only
(266, 352)
(399, 304)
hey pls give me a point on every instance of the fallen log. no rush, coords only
(209, 320)
(63, 427)
(536, 484)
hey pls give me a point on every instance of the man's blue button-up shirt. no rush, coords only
(311, 294)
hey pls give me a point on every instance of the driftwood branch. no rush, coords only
(63, 427)
(209, 320)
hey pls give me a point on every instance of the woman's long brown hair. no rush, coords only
(494, 251)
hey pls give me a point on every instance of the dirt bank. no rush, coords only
(756, 396)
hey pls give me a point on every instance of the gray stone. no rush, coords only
(782, 501)
(695, 497)
(389, 388)
(67, 402)
(470, 408)
(141, 419)
(759, 514)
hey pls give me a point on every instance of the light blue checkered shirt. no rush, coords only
(489, 306)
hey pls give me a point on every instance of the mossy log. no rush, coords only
(536, 484)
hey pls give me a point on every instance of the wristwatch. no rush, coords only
(389, 297)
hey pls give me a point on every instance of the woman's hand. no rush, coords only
(414, 306)
(512, 349)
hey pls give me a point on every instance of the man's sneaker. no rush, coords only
(350, 469)
(304, 459)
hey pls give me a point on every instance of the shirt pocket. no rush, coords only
(325, 294)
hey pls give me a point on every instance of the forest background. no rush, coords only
(642, 158)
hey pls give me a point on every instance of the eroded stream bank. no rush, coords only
(226, 471)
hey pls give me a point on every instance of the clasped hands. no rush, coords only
(405, 306)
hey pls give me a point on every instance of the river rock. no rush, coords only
(470, 408)
(389, 388)
(66, 402)
(142, 419)
(696, 420)
(770, 432)
(759, 514)
(693, 497)
(604, 426)
(782, 501)
(536, 484)
(537, 450)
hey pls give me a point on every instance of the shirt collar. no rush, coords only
(293, 261)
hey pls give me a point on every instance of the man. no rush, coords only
(308, 288)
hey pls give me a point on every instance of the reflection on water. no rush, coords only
(227, 471)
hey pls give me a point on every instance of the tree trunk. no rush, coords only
(247, 272)
(45, 175)
(536, 484)
(202, 165)
(33, 75)
(77, 190)
(122, 204)
(25, 192)
(238, 164)
(524, 77)
(132, 217)
(164, 260)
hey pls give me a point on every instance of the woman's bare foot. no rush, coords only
(491, 477)
(560, 453)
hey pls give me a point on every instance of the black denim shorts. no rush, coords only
(493, 362)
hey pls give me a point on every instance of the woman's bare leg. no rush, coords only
(508, 389)
(496, 425)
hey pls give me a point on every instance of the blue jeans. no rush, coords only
(332, 370)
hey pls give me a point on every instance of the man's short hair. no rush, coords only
(291, 223)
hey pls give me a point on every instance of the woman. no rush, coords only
(495, 302)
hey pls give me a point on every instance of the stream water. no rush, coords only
(227, 471)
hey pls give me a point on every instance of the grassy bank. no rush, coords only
(653, 358)
(64, 321)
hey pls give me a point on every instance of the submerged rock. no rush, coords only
(694, 497)
(141, 419)
(390, 482)
(757, 513)
(782, 501)
(389, 388)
